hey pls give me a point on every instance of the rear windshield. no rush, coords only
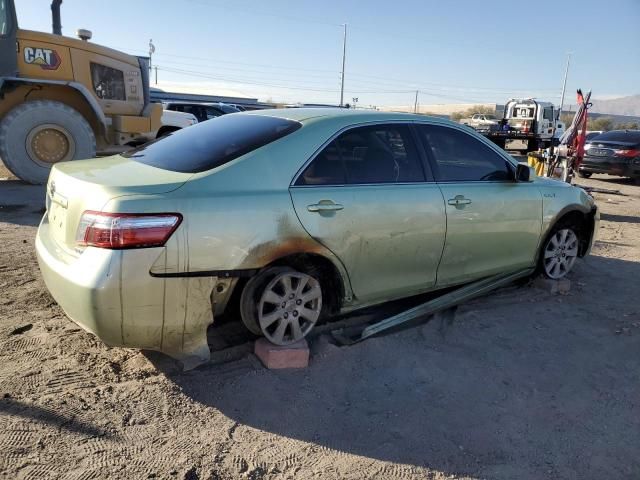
(630, 136)
(212, 143)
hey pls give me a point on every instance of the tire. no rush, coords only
(559, 251)
(166, 131)
(582, 174)
(62, 130)
(283, 323)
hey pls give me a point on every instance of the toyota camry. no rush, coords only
(292, 216)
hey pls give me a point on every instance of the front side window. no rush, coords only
(459, 157)
(108, 83)
(375, 154)
(210, 144)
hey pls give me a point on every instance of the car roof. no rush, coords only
(343, 115)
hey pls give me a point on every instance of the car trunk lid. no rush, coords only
(75, 187)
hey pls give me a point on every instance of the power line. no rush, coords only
(240, 81)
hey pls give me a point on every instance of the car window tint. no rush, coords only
(460, 157)
(213, 143)
(376, 154)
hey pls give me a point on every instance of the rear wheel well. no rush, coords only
(16, 94)
(324, 270)
(316, 265)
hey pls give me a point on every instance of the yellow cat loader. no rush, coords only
(64, 98)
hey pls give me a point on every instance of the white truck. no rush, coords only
(172, 121)
(527, 124)
(480, 121)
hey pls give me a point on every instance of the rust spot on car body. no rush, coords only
(269, 252)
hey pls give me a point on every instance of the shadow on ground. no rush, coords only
(21, 203)
(522, 385)
(58, 420)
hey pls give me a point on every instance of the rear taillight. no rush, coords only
(627, 153)
(126, 230)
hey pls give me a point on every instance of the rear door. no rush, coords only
(8, 27)
(493, 222)
(366, 197)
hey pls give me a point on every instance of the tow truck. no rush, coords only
(527, 125)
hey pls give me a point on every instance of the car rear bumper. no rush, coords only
(86, 287)
(111, 294)
(611, 166)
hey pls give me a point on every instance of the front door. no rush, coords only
(8, 28)
(493, 222)
(366, 198)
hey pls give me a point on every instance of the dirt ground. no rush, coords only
(522, 384)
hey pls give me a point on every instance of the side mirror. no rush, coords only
(523, 173)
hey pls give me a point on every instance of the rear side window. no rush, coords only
(210, 144)
(459, 157)
(376, 154)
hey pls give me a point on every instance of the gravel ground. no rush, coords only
(522, 384)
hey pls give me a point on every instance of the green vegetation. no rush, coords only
(601, 123)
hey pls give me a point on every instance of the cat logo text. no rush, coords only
(46, 58)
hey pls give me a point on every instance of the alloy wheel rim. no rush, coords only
(289, 307)
(560, 253)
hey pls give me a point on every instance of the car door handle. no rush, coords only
(324, 207)
(458, 201)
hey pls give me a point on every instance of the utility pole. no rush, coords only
(344, 55)
(156, 67)
(564, 85)
(415, 104)
(152, 49)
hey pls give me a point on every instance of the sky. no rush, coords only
(455, 51)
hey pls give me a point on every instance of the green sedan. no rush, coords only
(293, 215)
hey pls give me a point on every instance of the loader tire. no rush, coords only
(37, 134)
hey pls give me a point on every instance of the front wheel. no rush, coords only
(560, 251)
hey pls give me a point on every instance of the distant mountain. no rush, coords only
(628, 106)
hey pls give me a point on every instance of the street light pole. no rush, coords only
(344, 55)
(564, 85)
(415, 104)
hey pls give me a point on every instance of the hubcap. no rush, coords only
(289, 307)
(560, 253)
(48, 144)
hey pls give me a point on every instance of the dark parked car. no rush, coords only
(615, 153)
(202, 111)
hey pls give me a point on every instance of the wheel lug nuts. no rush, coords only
(298, 302)
(286, 315)
(284, 304)
(295, 313)
(291, 296)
